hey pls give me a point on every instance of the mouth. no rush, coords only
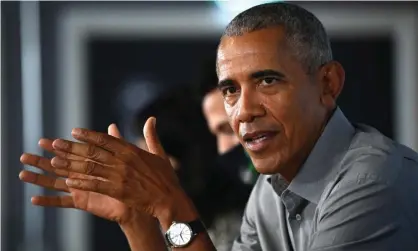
(257, 141)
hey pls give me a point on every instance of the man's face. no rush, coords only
(276, 108)
(217, 119)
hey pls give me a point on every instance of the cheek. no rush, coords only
(288, 111)
(281, 107)
(295, 111)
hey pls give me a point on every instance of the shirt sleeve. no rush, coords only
(248, 238)
(361, 214)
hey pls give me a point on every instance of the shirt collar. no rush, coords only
(321, 165)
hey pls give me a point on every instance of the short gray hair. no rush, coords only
(305, 34)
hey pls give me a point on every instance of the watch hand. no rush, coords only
(175, 236)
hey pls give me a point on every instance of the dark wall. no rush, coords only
(11, 128)
(12, 141)
(367, 96)
(173, 61)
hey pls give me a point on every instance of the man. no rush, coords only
(326, 185)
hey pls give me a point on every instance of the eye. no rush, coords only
(269, 81)
(229, 90)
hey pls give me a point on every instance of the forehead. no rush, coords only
(262, 48)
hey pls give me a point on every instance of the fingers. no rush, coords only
(42, 163)
(43, 181)
(113, 130)
(46, 144)
(87, 151)
(45, 165)
(81, 176)
(102, 140)
(97, 186)
(87, 167)
(53, 201)
(152, 140)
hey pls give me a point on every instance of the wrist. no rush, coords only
(143, 233)
(179, 208)
(138, 222)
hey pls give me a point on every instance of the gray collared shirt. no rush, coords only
(358, 190)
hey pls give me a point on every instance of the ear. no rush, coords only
(332, 78)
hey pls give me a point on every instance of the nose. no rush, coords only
(250, 106)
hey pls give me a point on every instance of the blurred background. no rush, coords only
(89, 64)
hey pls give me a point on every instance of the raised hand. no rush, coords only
(95, 203)
(142, 180)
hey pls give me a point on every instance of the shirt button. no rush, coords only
(298, 217)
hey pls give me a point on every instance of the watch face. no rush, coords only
(179, 234)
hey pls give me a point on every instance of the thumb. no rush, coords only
(113, 130)
(151, 138)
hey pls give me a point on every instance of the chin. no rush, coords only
(269, 165)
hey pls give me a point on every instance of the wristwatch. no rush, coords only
(181, 234)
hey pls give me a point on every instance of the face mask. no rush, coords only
(237, 164)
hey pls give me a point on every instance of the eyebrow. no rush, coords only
(254, 75)
(267, 73)
(225, 83)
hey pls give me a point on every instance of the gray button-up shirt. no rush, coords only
(358, 190)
